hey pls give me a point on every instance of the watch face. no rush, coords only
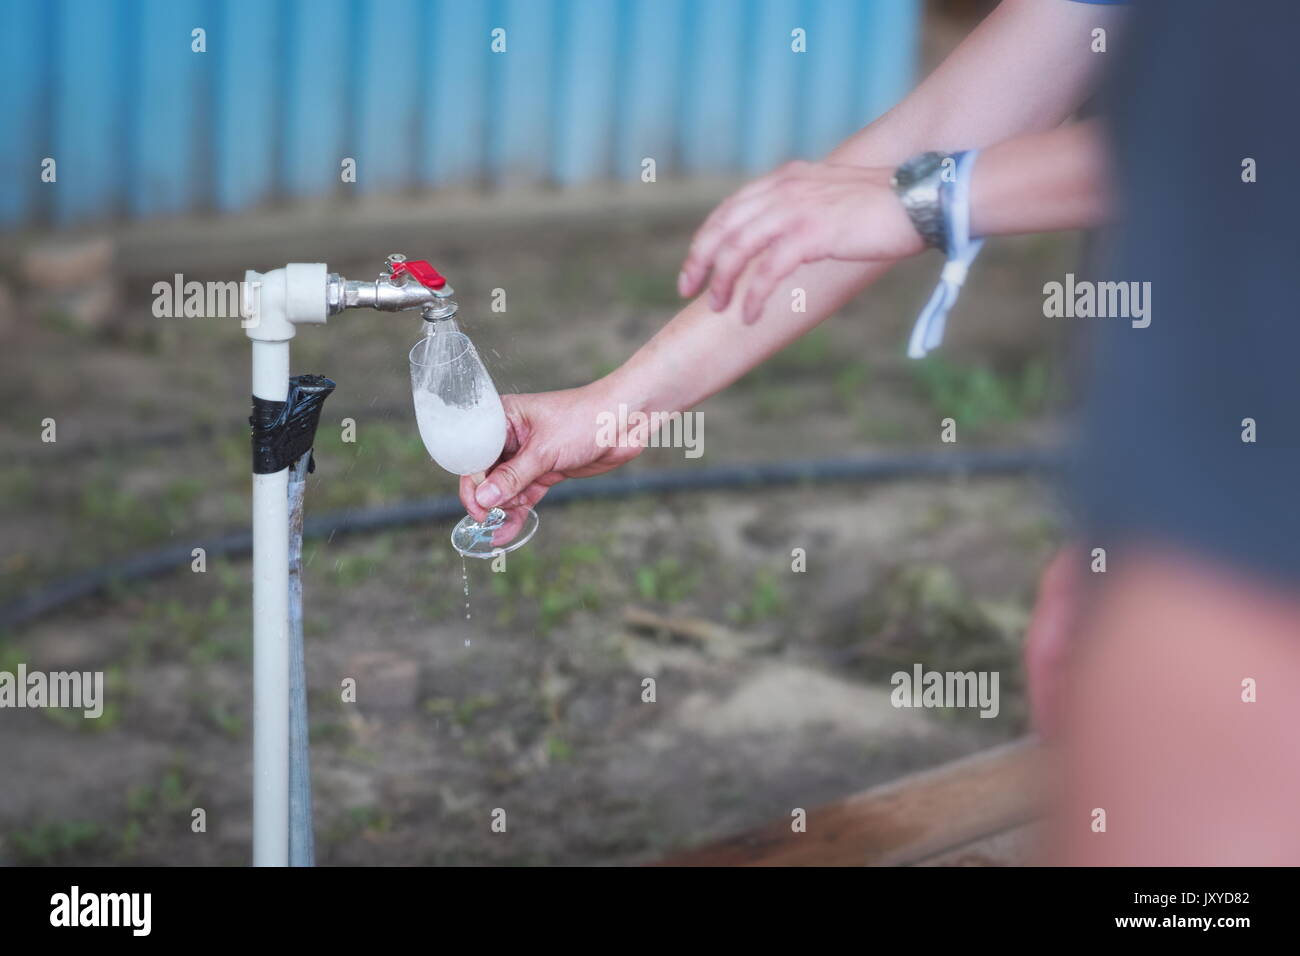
(918, 167)
(919, 188)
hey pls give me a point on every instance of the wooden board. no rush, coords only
(935, 816)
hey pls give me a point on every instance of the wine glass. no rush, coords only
(463, 425)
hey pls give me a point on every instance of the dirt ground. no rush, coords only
(784, 704)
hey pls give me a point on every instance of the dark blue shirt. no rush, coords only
(1204, 93)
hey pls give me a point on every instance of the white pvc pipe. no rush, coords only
(271, 631)
(274, 303)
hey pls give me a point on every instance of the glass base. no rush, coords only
(500, 533)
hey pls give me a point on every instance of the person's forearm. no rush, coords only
(1041, 183)
(700, 352)
(1025, 68)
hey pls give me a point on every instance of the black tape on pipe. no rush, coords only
(284, 431)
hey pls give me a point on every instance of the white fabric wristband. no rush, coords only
(927, 334)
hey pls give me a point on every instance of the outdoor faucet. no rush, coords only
(405, 286)
(274, 304)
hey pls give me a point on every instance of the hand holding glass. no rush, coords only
(463, 425)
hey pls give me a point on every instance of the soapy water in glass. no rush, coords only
(463, 425)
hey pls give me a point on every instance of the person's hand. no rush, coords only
(550, 436)
(1049, 639)
(801, 213)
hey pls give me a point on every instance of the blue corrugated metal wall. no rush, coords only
(140, 125)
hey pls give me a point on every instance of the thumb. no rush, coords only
(510, 478)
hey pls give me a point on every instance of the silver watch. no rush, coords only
(918, 183)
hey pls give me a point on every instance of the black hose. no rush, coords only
(236, 544)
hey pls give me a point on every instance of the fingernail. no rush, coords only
(683, 283)
(715, 302)
(487, 494)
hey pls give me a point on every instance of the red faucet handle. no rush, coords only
(421, 272)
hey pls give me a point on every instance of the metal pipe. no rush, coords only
(302, 848)
(381, 294)
(404, 287)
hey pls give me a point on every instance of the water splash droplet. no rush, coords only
(464, 576)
